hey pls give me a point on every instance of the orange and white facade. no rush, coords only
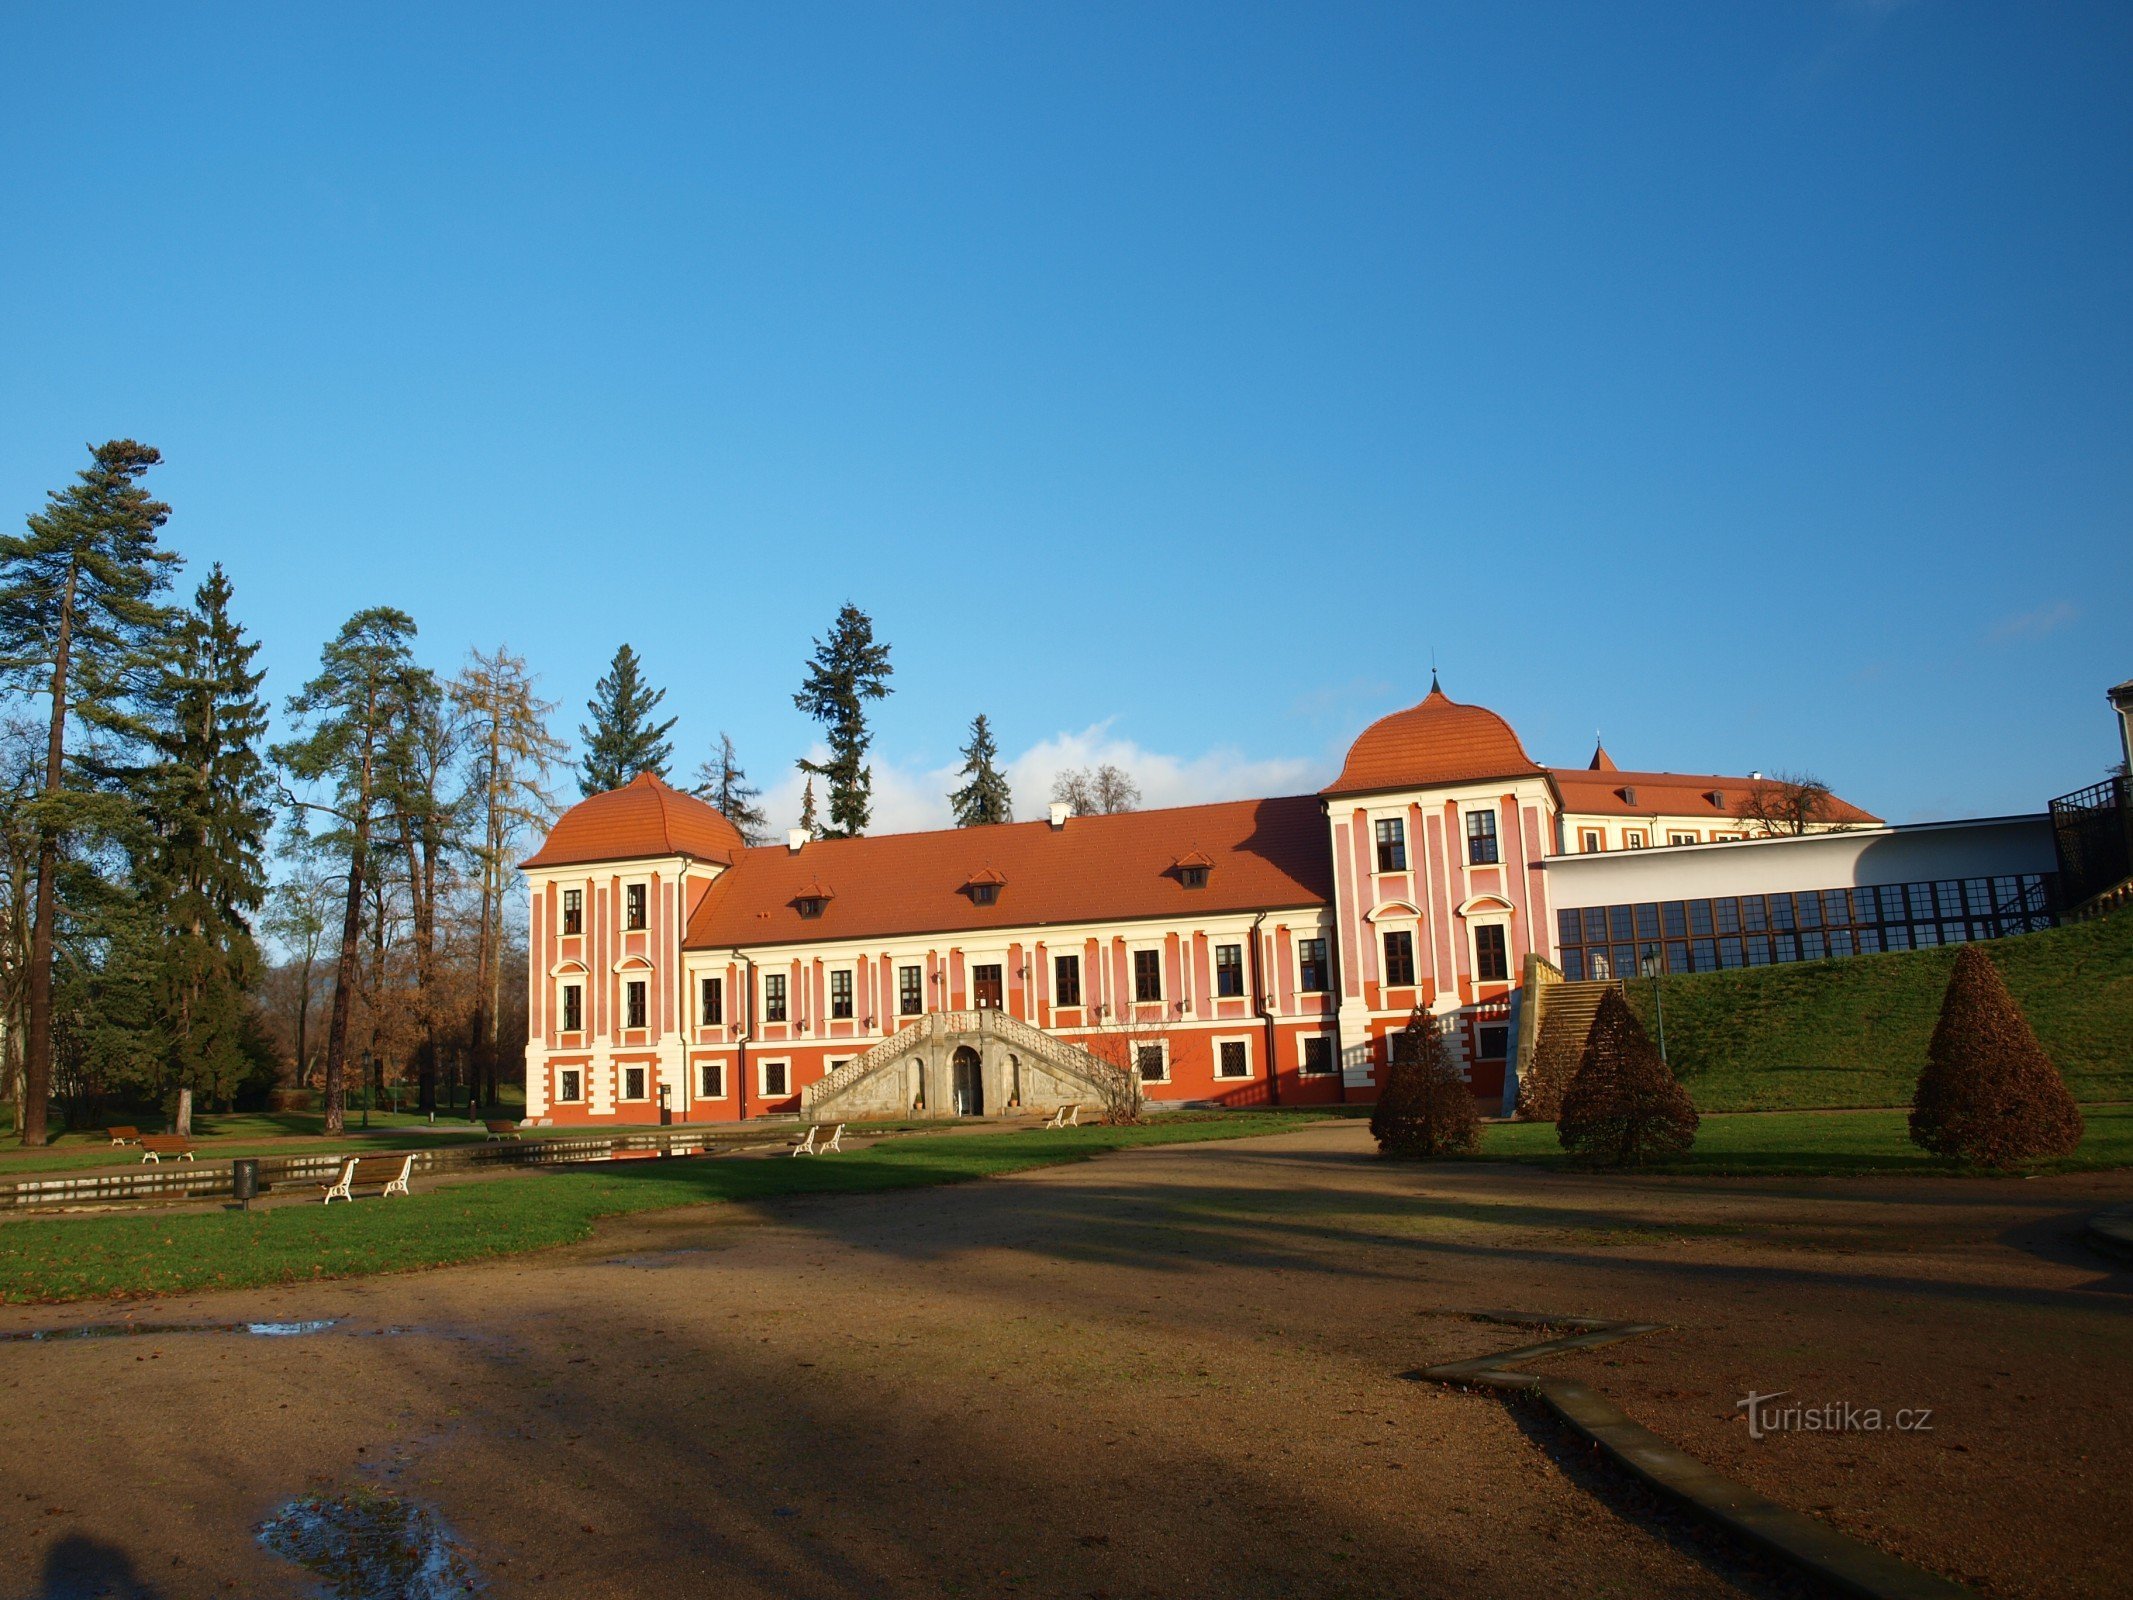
(1246, 953)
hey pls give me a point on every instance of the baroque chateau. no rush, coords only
(1248, 952)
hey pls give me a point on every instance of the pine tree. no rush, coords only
(79, 624)
(1425, 1109)
(1623, 1106)
(351, 720)
(1989, 1093)
(810, 823)
(511, 752)
(985, 798)
(204, 872)
(846, 671)
(622, 740)
(722, 783)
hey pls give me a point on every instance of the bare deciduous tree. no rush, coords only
(1786, 804)
(1097, 792)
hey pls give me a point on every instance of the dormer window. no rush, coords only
(813, 899)
(1192, 870)
(984, 887)
(809, 905)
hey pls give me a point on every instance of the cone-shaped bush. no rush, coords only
(1989, 1093)
(1623, 1107)
(1555, 1057)
(1425, 1109)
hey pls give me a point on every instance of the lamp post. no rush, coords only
(1650, 964)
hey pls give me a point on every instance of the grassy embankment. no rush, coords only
(1854, 1032)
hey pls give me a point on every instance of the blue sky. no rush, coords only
(1748, 382)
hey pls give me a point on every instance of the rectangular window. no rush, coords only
(1680, 838)
(1574, 965)
(1400, 960)
(1481, 838)
(633, 904)
(1232, 1059)
(986, 992)
(1147, 974)
(573, 910)
(711, 1002)
(1633, 838)
(1589, 841)
(570, 1084)
(1566, 928)
(773, 997)
(1311, 965)
(1675, 915)
(1677, 956)
(1492, 956)
(841, 994)
(1229, 971)
(1066, 980)
(633, 995)
(1494, 1043)
(1702, 922)
(774, 1080)
(1704, 953)
(1392, 845)
(1154, 1068)
(910, 992)
(573, 1008)
(1596, 924)
(1318, 1054)
(711, 1080)
(633, 1083)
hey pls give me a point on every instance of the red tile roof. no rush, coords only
(1607, 793)
(1266, 855)
(643, 818)
(1601, 761)
(1437, 742)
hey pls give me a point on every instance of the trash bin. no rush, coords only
(244, 1180)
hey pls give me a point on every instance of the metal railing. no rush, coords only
(2092, 832)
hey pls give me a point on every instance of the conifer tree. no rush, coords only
(204, 872)
(622, 740)
(81, 625)
(1989, 1093)
(722, 783)
(985, 797)
(1623, 1106)
(351, 721)
(847, 670)
(810, 823)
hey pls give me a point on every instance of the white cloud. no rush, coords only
(2037, 624)
(911, 798)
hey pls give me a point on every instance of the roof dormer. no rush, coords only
(813, 898)
(1192, 868)
(984, 886)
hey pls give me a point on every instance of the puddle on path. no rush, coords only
(124, 1330)
(370, 1545)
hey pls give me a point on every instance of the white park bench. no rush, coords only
(390, 1171)
(833, 1144)
(1066, 1117)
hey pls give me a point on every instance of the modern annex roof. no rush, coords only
(1437, 742)
(1262, 855)
(643, 818)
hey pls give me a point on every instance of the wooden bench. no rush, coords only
(118, 1135)
(155, 1146)
(392, 1172)
(832, 1143)
(502, 1130)
(1066, 1117)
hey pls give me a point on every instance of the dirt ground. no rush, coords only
(1170, 1372)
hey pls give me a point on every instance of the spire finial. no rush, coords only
(1433, 689)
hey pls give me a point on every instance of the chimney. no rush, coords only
(1059, 813)
(794, 838)
(1756, 777)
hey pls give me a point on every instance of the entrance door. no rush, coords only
(969, 1082)
(985, 991)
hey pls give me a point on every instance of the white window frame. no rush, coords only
(900, 968)
(1386, 930)
(1466, 839)
(562, 910)
(563, 1099)
(1333, 1055)
(1162, 1048)
(703, 978)
(636, 883)
(1080, 1002)
(829, 993)
(762, 1080)
(1296, 961)
(571, 980)
(644, 987)
(1214, 968)
(1633, 839)
(1474, 925)
(764, 999)
(1681, 836)
(1407, 843)
(1591, 841)
(622, 1088)
(725, 1078)
(1133, 973)
(1251, 1070)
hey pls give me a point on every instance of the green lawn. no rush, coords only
(87, 1257)
(1854, 1032)
(1817, 1144)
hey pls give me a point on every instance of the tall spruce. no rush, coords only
(984, 797)
(208, 800)
(352, 720)
(722, 783)
(847, 670)
(81, 625)
(511, 752)
(622, 740)
(810, 819)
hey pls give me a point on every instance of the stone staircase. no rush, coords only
(1566, 1013)
(1050, 1068)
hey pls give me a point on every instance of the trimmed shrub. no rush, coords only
(1555, 1058)
(1989, 1093)
(1425, 1109)
(1623, 1106)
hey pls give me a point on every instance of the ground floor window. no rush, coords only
(1494, 1043)
(711, 1080)
(1153, 1063)
(1317, 1054)
(774, 1079)
(633, 1083)
(1233, 1059)
(570, 1084)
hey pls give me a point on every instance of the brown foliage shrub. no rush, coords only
(1555, 1057)
(1425, 1109)
(1623, 1106)
(1989, 1093)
